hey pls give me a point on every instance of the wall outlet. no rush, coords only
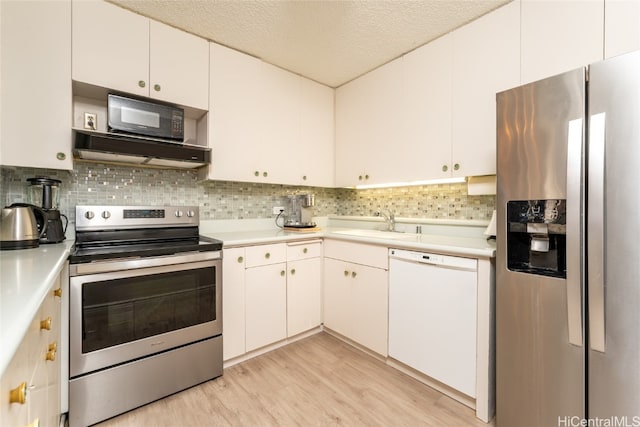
(91, 121)
(277, 210)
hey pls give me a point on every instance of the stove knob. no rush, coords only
(191, 214)
(89, 214)
(178, 214)
(106, 214)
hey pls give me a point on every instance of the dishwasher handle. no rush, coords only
(439, 260)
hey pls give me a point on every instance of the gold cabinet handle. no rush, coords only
(305, 250)
(240, 259)
(359, 177)
(57, 293)
(35, 423)
(46, 323)
(156, 87)
(256, 173)
(456, 167)
(445, 168)
(50, 356)
(366, 176)
(19, 394)
(353, 274)
(265, 174)
(53, 346)
(304, 177)
(282, 273)
(267, 255)
(142, 83)
(293, 271)
(346, 273)
(60, 155)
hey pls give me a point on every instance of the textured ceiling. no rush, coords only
(330, 41)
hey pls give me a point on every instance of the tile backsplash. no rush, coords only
(95, 184)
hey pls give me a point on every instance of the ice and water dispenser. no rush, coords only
(536, 237)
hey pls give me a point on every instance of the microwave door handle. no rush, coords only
(574, 231)
(595, 243)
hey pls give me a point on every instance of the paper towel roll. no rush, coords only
(491, 228)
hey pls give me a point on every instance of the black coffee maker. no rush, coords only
(44, 192)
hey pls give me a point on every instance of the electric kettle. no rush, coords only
(19, 227)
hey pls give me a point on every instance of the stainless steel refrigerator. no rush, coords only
(568, 257)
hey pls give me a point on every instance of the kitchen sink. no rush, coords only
(379, 234)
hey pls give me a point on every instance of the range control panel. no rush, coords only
(114, 217)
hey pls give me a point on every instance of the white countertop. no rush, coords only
(477, 247)
(25, 276)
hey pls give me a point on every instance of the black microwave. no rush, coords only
(138, 117)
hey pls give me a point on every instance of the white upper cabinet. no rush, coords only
(621, 26)
(267, 124)
(370, 127)
(35, 120)
(121, 50)
(427, 74)
(559, 36)
(486, 60)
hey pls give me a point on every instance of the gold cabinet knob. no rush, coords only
(240, 259)
(366, 176)
(19, 394)
(359, 177)
(50, 356)
(456, 167)
(46, 323)
(304, 177)
(267, 255)
(346, 273)
(293, 271)
(35, 423)
(305, 250)
(60, 155)
(142, 83)
(53, 346)
(57, 293)
(156, 87)
(265, 174)
(353, 274)
(445, 168)
(256, 173)
(282, 273)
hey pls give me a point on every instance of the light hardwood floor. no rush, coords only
(318, 381)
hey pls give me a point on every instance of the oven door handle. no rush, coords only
(120, 264)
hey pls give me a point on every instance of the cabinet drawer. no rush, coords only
(265, 255)
(358, 253)
(304, 250)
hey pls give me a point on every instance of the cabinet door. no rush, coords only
(178, 66)
(337, 296)
(559, 36)
(265, 305)
(233, 298)
(621, 27)
(281, 148)
(370, 306)
(35, 105)
(369, 128)
(304, 295)
(486, 56)
(110, 47)
(317, 135)
(428, 110)
(234, 115)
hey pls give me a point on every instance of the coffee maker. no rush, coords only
(44, 192)
(300, 214)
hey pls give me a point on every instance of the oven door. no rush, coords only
(130, 313)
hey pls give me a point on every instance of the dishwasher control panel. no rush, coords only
(435, 259)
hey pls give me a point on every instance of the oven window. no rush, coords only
(124, 310)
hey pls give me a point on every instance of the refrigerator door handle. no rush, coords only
(595, 243)
(574, 231)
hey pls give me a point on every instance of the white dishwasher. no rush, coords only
(432, 316)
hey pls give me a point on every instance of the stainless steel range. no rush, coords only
(145, 308)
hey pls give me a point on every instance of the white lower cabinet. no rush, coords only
(31, 385)
(270, 292)
(356, 293)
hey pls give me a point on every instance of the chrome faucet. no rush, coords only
(389, 218)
